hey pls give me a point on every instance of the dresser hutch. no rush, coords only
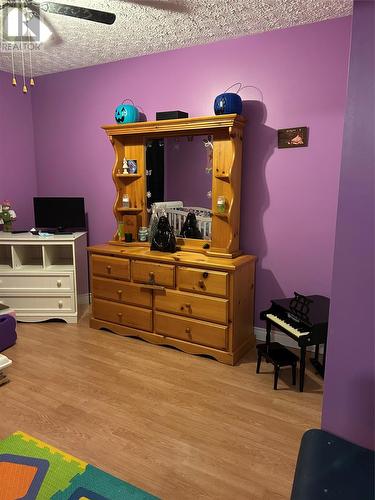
(200, 298)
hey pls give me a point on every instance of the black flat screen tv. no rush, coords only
(60, 214)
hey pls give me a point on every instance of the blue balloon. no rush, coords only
(126, 113)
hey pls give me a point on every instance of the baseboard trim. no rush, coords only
(260, 334)
(83, 298)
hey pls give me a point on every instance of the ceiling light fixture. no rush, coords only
(25, 32)
(22, 23)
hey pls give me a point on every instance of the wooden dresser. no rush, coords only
(199, 299)
(197, 303)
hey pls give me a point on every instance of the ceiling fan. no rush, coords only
(30, 10)
(97, 16)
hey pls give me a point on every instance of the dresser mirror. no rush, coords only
(179, 183)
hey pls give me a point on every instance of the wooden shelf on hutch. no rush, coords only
(129, 177)
(129, 210)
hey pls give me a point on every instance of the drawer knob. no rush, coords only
(205, 275)
(188, 330)
(58, 283)
(119, 316)
(119, 292)
(60, 304)
(151, 277)
(201, 284)
(109, 269)
(188, 306)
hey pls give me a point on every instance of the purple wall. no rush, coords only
(185, 176)
(348, 405)
(289, 197)
(17, 164)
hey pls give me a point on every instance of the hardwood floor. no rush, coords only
(178, 426)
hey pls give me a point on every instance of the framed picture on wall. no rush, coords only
(293, 137)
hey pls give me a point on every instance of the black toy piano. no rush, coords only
(305, 320)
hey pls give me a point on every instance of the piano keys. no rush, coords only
(305, 320)
(294, 331)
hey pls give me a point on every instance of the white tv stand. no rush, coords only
(43, 277)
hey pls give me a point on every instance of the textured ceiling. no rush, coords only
(146, 26)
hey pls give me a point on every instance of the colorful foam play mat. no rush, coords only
(33, 470)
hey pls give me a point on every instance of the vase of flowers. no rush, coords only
(7, 215)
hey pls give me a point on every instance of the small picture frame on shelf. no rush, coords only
(132, 166)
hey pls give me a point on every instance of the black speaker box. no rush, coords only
(171, 115)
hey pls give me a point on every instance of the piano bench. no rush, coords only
(279, 356)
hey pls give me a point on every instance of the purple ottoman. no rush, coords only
(8, 335)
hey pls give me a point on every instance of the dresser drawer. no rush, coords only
(203, 281)
(121, 291)
(134, 317)
(38, 283)
(153, 273)
(40, 304)
(191, 330)
(195, 306)
(111, 266)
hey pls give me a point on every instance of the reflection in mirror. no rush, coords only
(179, 183)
